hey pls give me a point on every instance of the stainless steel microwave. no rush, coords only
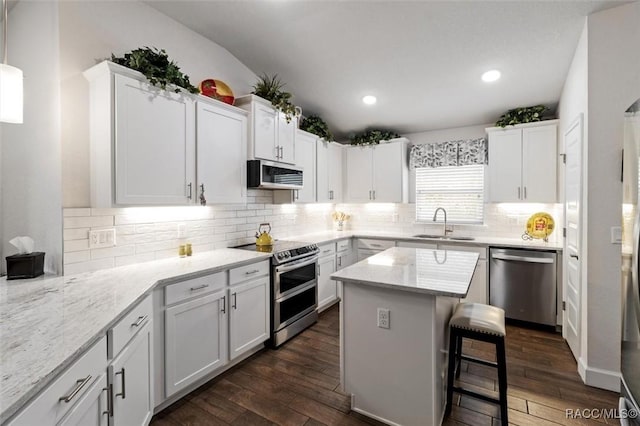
(271, 175)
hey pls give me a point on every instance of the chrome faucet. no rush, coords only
(435, 217)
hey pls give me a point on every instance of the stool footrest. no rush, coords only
(479, 361)
(476, 395)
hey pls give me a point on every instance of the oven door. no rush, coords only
(295, 305)
(290, 277)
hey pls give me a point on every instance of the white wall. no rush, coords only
(90, 31)
(31, 182)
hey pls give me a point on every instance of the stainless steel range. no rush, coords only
(294, 287)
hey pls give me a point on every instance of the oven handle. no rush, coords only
(295, 265)
(298, 291)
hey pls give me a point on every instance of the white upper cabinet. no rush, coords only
(330, 165)
(306, 159)
(221, 134)
(522, 163)
(378, 173)
(271, 137)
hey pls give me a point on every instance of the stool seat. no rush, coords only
(479, 317)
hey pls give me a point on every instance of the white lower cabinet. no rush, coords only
(195, 340)
(131, 379)
(327, 288)
(248, 315)
(93, 408)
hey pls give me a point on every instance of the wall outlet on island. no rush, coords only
(383, 318)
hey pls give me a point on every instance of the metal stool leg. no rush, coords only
(451, 370)
(502, 380)
(458, 356)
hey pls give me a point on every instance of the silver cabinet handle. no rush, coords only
(200, 287)
(525, 192)
(255, 271)
(518, 193)
(374, 194)
(281, 152)
(369, 194)
(331, 194)
(526, 259)
(109, 390)
(339, 260)
(224, 304)
(376, 245)
(326, 251)
(122, 394)
(277, 152)
(235, 300)
(190, 190)
(140, 321)
(80, 383)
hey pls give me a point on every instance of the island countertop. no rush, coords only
(436, 272)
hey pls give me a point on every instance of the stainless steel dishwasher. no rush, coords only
(523, 283)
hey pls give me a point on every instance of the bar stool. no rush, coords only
(478, 322)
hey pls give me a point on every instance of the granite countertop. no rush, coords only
(330, 236)
(46, 322)
(435, 272)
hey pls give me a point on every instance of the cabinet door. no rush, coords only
(388, 172)
(265, 121)
(336, 166)
(327, 290)
(478, 287)
(539, 160)
(346, 258)
(221, 154)
(287, 138)
(359, 175)
(131, 375)
(505, 165)
(92, 408)
(306, 158)
(195, 340)
(154, 145)
(322, 172)
(248, 315)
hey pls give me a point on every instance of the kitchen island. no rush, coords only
(394, 316)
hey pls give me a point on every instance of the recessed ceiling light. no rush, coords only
(490, 76)
(369, 100)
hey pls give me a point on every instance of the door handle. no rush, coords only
(140, 321)
(575, 256)
(80, 383)
(374, 194)
(277, 148)
(224, 304)
(525, 192)
(190, 190)
(122, 394)
(518, 193)
(235, 300)
(369, 194)
(281, 152)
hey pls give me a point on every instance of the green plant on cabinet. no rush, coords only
(316, 125)
(270, 88)
(521, 115)
(372, 137)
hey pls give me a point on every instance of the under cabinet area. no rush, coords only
(522, 163)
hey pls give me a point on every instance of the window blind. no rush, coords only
(458, 189)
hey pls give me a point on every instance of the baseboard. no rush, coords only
(374, 417)
(599, 378)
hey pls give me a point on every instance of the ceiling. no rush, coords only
(422, 59)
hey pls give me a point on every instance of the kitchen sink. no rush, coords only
(442, 237)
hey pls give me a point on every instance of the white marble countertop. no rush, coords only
(46, 322)
(329, 236)
(436, 272)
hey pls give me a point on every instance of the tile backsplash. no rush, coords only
(149, 233)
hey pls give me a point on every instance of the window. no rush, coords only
(460, 190)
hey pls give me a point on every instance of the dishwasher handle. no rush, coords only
(527, 259)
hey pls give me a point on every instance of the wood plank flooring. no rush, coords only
(299, 383)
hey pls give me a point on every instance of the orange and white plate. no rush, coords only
(540, 225)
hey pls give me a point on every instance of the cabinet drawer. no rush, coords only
(184, 290)
(249, 272)
(327, 249)
(127, 327)
(343, 245)
(482, 251)
(62, 395)
(367, 243)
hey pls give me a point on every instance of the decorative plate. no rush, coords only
(217, 89)
(540, 225)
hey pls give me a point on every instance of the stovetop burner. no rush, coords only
(284, 251)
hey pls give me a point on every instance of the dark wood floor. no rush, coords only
(298, 384)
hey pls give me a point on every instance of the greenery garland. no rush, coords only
(372, 137)
(316, 125)
(521, 115)
(270, 88)
(156, 66)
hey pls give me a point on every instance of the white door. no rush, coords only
(221, 154)
(539, 159)
(336, 166)
(131, 374)
(265, 123)
(572, 276)
(306, 158)
(287, 139)
(195, 340)
(359, 175)
(387, 172)
(92, 408)
(327, 289)
(154, 145)
(248, 315)
(505, 166)
(322, 172)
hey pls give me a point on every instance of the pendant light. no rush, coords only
(10, 82)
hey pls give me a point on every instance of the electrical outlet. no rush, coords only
(182, 230)
(383, 318)
(102, 238)
(616, 235)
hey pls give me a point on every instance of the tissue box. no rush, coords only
(25, 265)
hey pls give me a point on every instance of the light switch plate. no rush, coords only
(616, 235)
(102, 238)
